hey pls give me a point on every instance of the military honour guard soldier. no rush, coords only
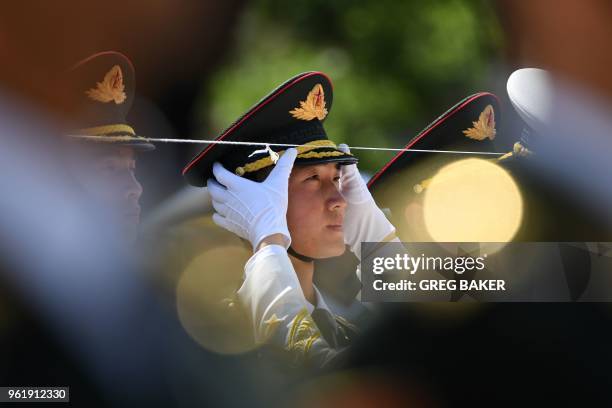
(463, 212)
(442, 197)
(586, 260)
(293, 205)
(400, 185)
(103, 146)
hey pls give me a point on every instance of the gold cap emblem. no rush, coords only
(484, 127)
(110, 89)
(313, 107)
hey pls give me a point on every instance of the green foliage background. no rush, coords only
(396, 65)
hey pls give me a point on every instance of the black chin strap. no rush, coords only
(301, 257)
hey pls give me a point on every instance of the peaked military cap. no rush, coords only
(553, 211)
(531, 94)
(470, 125)
(291, 114)
(104, 84)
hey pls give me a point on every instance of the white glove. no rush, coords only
(363, 220)
(250, 209)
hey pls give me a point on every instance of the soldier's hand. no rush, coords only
(363, 221)
(250, 209)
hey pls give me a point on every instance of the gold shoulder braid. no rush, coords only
(302, 334)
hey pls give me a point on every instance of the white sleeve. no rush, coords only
(370, 306)
(279, 312)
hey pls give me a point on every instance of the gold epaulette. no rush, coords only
(302, 334)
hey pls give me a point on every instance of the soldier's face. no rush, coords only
(315, 215)
(108, 176)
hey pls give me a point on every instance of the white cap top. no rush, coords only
(531, 92)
